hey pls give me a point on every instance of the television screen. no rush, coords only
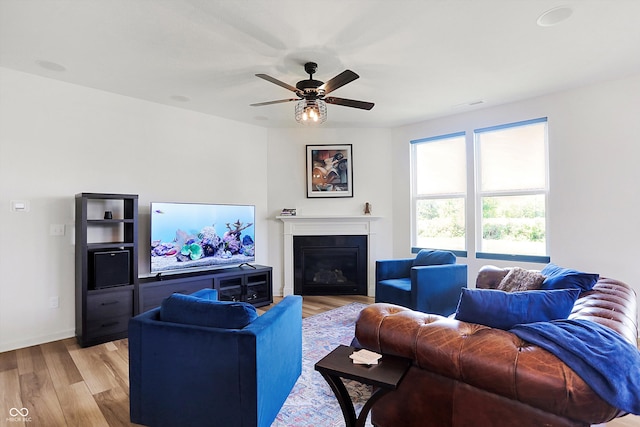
(189, 236)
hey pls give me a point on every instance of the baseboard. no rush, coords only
(28, 342)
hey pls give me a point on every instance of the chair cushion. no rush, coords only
(394, 291)
(519, 279)
(403, 284)
(564, 278)
(430, 257)
(503, 310)
(191, 310)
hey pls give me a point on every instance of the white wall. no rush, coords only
(372, 182)
(594, 147)
(57, 140)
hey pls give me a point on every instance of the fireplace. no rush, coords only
(330, 265)
(329, 225)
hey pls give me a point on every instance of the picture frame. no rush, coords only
(329, 171)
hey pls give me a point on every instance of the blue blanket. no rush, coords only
(608, 363)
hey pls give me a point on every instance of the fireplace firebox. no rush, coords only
(330, 265)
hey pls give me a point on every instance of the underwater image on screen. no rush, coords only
(201, 236)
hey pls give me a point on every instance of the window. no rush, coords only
(439, 192)
(511, 194)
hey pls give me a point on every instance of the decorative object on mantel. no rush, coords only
(367, 208)
(288, 212)
(329, 171)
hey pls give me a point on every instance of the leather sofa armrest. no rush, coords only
(490, 276)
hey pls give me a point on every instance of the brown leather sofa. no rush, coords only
(465, 374)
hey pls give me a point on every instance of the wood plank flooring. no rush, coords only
(62, 384)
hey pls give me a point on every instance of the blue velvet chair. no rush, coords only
(432, 282)
(193, 362)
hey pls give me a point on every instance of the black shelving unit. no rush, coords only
(106, 266)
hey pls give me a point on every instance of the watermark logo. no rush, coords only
(18, 415)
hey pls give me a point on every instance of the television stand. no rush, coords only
(253, 285)
(247, 264)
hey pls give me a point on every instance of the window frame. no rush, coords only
(473, 214)
(479, 194)
(415, 198)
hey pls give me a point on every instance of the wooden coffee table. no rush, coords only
(385, 377)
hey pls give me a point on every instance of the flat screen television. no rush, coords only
(199, 236)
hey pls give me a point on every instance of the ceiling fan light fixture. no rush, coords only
(311, 105)
(311, 111)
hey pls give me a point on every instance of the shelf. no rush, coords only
(109, 290)
(285, 218)
(106, 256)
(258, 283)
(107, 196)
(109, 245)
(109, 221)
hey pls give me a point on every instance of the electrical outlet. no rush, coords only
(54, 302)
(56, 230)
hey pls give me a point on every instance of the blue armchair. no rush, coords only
(194, 362)
(431, 283)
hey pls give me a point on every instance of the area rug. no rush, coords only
(311, 402)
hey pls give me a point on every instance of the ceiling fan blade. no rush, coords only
(278, 82)
(274, 102)
(349, 103)
(347, 76)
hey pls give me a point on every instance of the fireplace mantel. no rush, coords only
(328, 225)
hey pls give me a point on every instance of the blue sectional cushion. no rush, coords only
(503, 310)
(429, 257)
(191, 310)
(565, 278)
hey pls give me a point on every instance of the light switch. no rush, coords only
(20, 205)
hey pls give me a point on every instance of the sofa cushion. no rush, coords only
(503, 310)
(191, 310)
(429, 257)
(564, 278)
(519, 279)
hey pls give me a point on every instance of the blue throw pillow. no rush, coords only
(565, 278)
(503, 310)
(191, 310)
(429, 257)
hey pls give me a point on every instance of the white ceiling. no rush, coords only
(416, 59)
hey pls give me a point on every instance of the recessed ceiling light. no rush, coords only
(555, 16)
(180, 98)
(51, 65)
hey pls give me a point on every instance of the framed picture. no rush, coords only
(329, 171)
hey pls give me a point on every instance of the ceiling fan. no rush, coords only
(312, 100)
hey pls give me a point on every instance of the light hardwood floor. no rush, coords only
(62, 384)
